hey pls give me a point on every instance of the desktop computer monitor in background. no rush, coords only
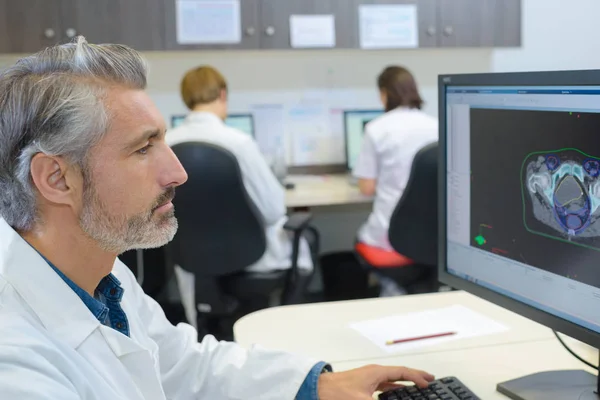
(242, 122)
(520, 205)
(354, 128)
(177, 120)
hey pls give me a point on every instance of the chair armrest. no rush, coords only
(297, 222)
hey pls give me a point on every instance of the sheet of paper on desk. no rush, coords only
(462, 320)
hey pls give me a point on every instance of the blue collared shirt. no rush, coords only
(106, 304)
(106, 307)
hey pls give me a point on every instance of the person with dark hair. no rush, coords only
(389, 146)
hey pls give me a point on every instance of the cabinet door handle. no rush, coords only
(448, 31)
(269, 31)
(431, 31)
(49, 33)
(250, 31)
(71, 33)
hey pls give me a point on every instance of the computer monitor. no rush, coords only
(354, 128)
(520, 204)
(243, 122)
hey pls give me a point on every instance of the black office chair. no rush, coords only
(148, 266)
(413, 229)
(221, 232)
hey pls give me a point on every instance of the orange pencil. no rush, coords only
(412, 339)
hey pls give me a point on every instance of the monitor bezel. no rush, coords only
(346, 141)
(243, 115)
(545, 78)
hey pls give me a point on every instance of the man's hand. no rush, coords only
(361, 383)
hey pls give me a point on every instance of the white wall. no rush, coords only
(253, 71)
(557, 35)
(283, 70)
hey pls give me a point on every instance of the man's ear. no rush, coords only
(54, 179)
(223, 95)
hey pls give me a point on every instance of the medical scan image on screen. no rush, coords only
(548, 209)
(563, 191)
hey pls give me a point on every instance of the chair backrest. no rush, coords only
(220, 229)
(154, 274)
(413, 228)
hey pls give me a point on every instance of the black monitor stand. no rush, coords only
(553, 385)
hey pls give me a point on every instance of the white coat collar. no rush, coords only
(203, 117)
(56, 305)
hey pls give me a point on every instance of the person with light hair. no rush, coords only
(86, 174)
(205, 92)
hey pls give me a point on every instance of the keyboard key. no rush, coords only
(447, 381)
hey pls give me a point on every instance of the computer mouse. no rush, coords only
(289, 186)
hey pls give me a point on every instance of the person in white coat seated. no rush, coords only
(389, 146)
(204, 92)
(86, 174)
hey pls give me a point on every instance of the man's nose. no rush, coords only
(177, 174)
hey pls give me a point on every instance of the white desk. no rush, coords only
(321, 330)
(323, 190)
(482, 368)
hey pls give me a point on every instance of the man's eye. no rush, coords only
(144, 150)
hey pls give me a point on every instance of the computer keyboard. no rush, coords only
(448, 388)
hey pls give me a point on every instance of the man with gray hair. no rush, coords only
(85, 174)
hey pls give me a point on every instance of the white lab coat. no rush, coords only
(52, 347)
(389, 146)
(262, 186)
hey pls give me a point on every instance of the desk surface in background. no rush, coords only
(322, 330)
(323, 190)
(482, 368)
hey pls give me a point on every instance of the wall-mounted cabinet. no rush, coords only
(275, 21)
(29, 25)
(479, 23)
(24, 31)
(137, 23)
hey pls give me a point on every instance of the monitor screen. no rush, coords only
(242, 122)
(177, 120)
(354, 128)
(523, 195)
